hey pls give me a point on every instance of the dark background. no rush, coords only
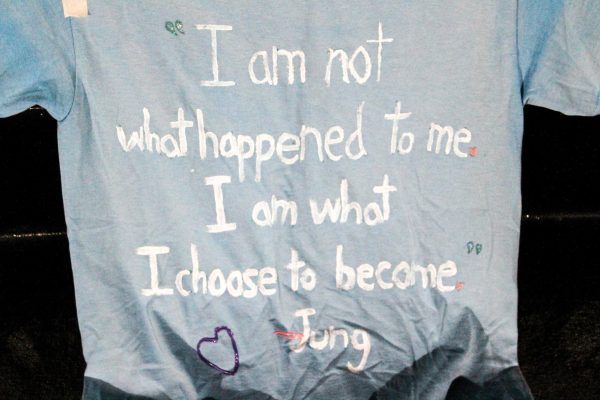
(559, 300)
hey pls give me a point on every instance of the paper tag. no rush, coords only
(75, 8)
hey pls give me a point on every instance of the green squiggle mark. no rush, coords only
(470, 247)
(478, 247)
(171, 27)
(179, 27)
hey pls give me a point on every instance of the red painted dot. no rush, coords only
(460, 286)
(473, 151)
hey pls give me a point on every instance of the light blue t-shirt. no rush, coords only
(297, 199)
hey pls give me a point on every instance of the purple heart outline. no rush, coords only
(215, 339)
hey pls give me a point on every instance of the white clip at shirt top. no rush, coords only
(75, 8)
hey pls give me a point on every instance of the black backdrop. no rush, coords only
(559, 296)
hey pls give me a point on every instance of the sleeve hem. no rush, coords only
(566, 99)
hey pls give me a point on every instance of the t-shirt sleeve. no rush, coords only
(37, 62)
(559, 54)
